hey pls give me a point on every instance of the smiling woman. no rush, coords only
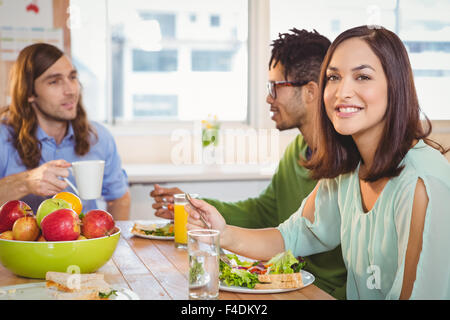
(383, 190)
(371, 141)
(358, 99)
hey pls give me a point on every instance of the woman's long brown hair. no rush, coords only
(32, 62)
(335, 154)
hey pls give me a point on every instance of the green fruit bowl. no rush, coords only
(32, 259)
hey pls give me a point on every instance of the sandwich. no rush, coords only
(279, 281)
(283, 271)
(145, 230)
(142, 229)
(75, 286)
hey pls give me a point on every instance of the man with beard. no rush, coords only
(45, 128)
(293, 94)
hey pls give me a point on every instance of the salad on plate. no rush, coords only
(283, 271)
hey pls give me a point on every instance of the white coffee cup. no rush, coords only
(88, 177)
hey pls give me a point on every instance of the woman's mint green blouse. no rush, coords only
(374, 243)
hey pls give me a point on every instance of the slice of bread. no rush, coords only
(280, 281)
(139, 227)
(280, 277)
(62, 276)
(279, 285)
(70, 286)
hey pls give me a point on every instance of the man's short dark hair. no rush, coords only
(301, 53)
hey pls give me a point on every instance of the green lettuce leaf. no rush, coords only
(237, 277)
(283, 263)
(239, 262)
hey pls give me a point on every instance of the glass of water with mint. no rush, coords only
(203, 251)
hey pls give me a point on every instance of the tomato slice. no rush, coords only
(257, 270)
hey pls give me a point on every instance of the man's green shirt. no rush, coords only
(289, 186)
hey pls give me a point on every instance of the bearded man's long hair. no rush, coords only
(32, 62)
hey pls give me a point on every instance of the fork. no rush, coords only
(222, 254)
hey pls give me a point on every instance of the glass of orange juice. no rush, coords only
(180, 220)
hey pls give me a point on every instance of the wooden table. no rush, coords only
(156, 270)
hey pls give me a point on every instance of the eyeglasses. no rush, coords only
(272, 86)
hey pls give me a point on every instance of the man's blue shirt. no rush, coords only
(115, 180)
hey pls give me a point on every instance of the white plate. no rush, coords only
(38, 291)
(307, 279)
(158, 223)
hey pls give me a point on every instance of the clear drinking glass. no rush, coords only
(203, 251)
(180, 219)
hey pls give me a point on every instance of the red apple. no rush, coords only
(11, 211)
(97, 223)
(26, 229)
(61, 225)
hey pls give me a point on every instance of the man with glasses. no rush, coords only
(293, 93)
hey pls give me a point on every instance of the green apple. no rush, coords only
(48, 206)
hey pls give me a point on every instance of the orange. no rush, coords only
(71, 198)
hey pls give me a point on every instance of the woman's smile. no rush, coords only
(347, 110)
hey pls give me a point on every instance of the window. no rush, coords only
(423, 26)
(164, 60)
(212, 60)
(214, 21)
